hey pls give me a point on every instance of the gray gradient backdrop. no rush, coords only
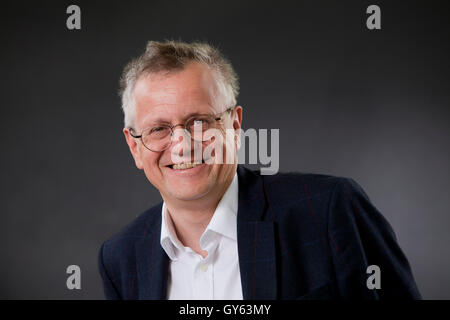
(371, 105)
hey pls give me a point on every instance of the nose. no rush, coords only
(181, 143)
(179, 134)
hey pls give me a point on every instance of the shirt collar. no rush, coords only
(169, 240)
(223, 222)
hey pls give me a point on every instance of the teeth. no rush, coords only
(186, 165)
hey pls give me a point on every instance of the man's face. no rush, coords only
(172, 99)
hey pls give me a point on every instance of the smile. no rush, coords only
(182, 166)
(185, 166)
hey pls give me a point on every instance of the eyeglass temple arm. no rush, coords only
(131, 133)
(228, 110)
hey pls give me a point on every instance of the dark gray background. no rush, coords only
(370, 105)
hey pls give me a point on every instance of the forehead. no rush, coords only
(176, 95)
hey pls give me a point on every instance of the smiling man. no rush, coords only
(223, 231)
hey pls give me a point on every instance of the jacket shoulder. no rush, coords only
(116, 257)
(292, 187)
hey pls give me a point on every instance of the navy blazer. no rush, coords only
(300, 236)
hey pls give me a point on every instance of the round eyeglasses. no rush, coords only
(159, 137)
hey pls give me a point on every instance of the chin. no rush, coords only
(187, 195)
(189, 192)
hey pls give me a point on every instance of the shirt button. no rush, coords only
(204, 267)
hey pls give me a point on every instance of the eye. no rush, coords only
(204, 122)
(157, 129)
(199, 122)
(158, 132)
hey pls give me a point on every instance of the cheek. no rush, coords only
(150, 162)
(153, 173)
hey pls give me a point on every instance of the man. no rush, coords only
(226, 232)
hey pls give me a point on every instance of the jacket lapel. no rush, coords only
(256, 239)
(151, 261)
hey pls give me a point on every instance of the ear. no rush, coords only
(134, 147)
(237, 122)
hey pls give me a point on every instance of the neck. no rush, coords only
(190, 218)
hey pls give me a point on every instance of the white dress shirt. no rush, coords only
(217, 276)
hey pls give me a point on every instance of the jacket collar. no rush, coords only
(256, 239)
(152, 262)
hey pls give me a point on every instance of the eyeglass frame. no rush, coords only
(216, 116)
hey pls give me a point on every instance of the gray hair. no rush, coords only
(171, 56)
